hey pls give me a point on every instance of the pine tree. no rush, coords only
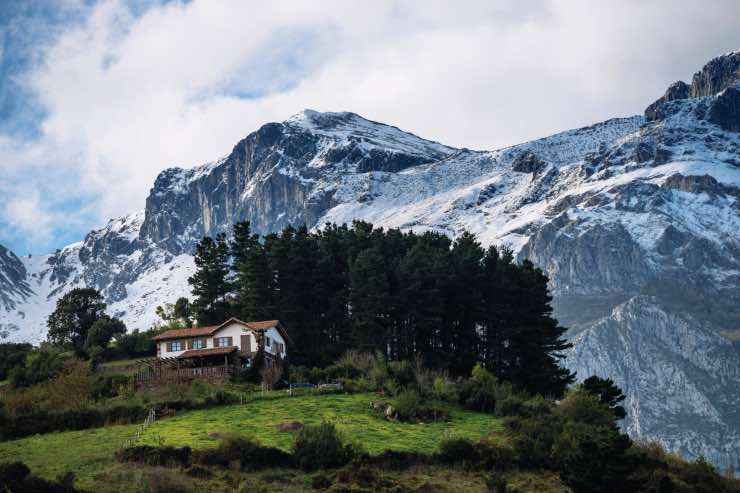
(535, 346)
(369, 298)
(210, 284)
(253, 300)
(465, 303)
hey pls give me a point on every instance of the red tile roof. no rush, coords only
(208, 352)
(191, 332)
(263, 325)
(212, 329)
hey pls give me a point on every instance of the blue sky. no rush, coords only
(97, 97)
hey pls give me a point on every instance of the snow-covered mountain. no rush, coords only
(636, 220)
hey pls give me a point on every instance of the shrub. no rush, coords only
(584, 407)
(402, 373)
(479, 391)
(496, 484)
(496, 457)
(155, 456)
(532, 439)
(108, 386)
(458, 450)
(16, 477)
(248, 452)
(41, 365)
(410, 406)
(13, 471)
(11, 356)
(396, 459)
(445, 390)
(321, 447)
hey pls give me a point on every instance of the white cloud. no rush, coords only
(128, 96)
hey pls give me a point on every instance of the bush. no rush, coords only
(108, 386)
(41, 365)
(532, 439)
(321, 447)
(445, 390)
(11, 356)
(15, 477)
(479, 391)
(496, 457)
(248, 452)
(409, 406)
(458, 450)
(155, 456)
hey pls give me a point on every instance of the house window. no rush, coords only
(198, 344)
(267, 341)
(176, 346)
(222, 341)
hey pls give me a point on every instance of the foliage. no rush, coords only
(134, 344)
(41, 364)
(608, 392)
(100, 334)
(73, 388)
(252, 281)
(155, 456)
(12, 355)
(457, 450)
(177, 314)
(404, 295)
(75, 314)
(248, 452)
(209, 282)
(479, 391)
(321, 447)
(410, 407)
(16, 477)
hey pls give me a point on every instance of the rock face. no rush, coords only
(636, 220)
(268, 178)
(720, 77)
(692, 374)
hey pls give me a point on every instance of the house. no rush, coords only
(214, 352)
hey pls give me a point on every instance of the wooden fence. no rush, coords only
(150, 419)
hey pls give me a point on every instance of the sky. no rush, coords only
(97, 97)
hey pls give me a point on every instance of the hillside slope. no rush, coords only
(636, 220)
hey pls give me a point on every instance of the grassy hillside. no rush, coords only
(350, 413)
(90, 452)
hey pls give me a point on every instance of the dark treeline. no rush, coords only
(406, 295)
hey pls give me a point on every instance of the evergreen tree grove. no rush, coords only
(405, 295)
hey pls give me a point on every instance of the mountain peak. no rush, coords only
(348, 126)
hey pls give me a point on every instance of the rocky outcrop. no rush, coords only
(677, 90)
(528, 162)
(725, 110)
(717, 76)
(13, 282)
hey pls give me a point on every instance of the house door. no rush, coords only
(246, 346)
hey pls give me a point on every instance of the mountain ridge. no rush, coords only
(630, 218)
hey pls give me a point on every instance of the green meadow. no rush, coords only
(90, 452)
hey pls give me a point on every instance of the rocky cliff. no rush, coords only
(636, 220)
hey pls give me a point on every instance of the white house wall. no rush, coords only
(235, 331)
(172, 354)
(275, 336)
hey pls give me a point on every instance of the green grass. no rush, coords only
(351, 414)
(85, 452)
(89, 453)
